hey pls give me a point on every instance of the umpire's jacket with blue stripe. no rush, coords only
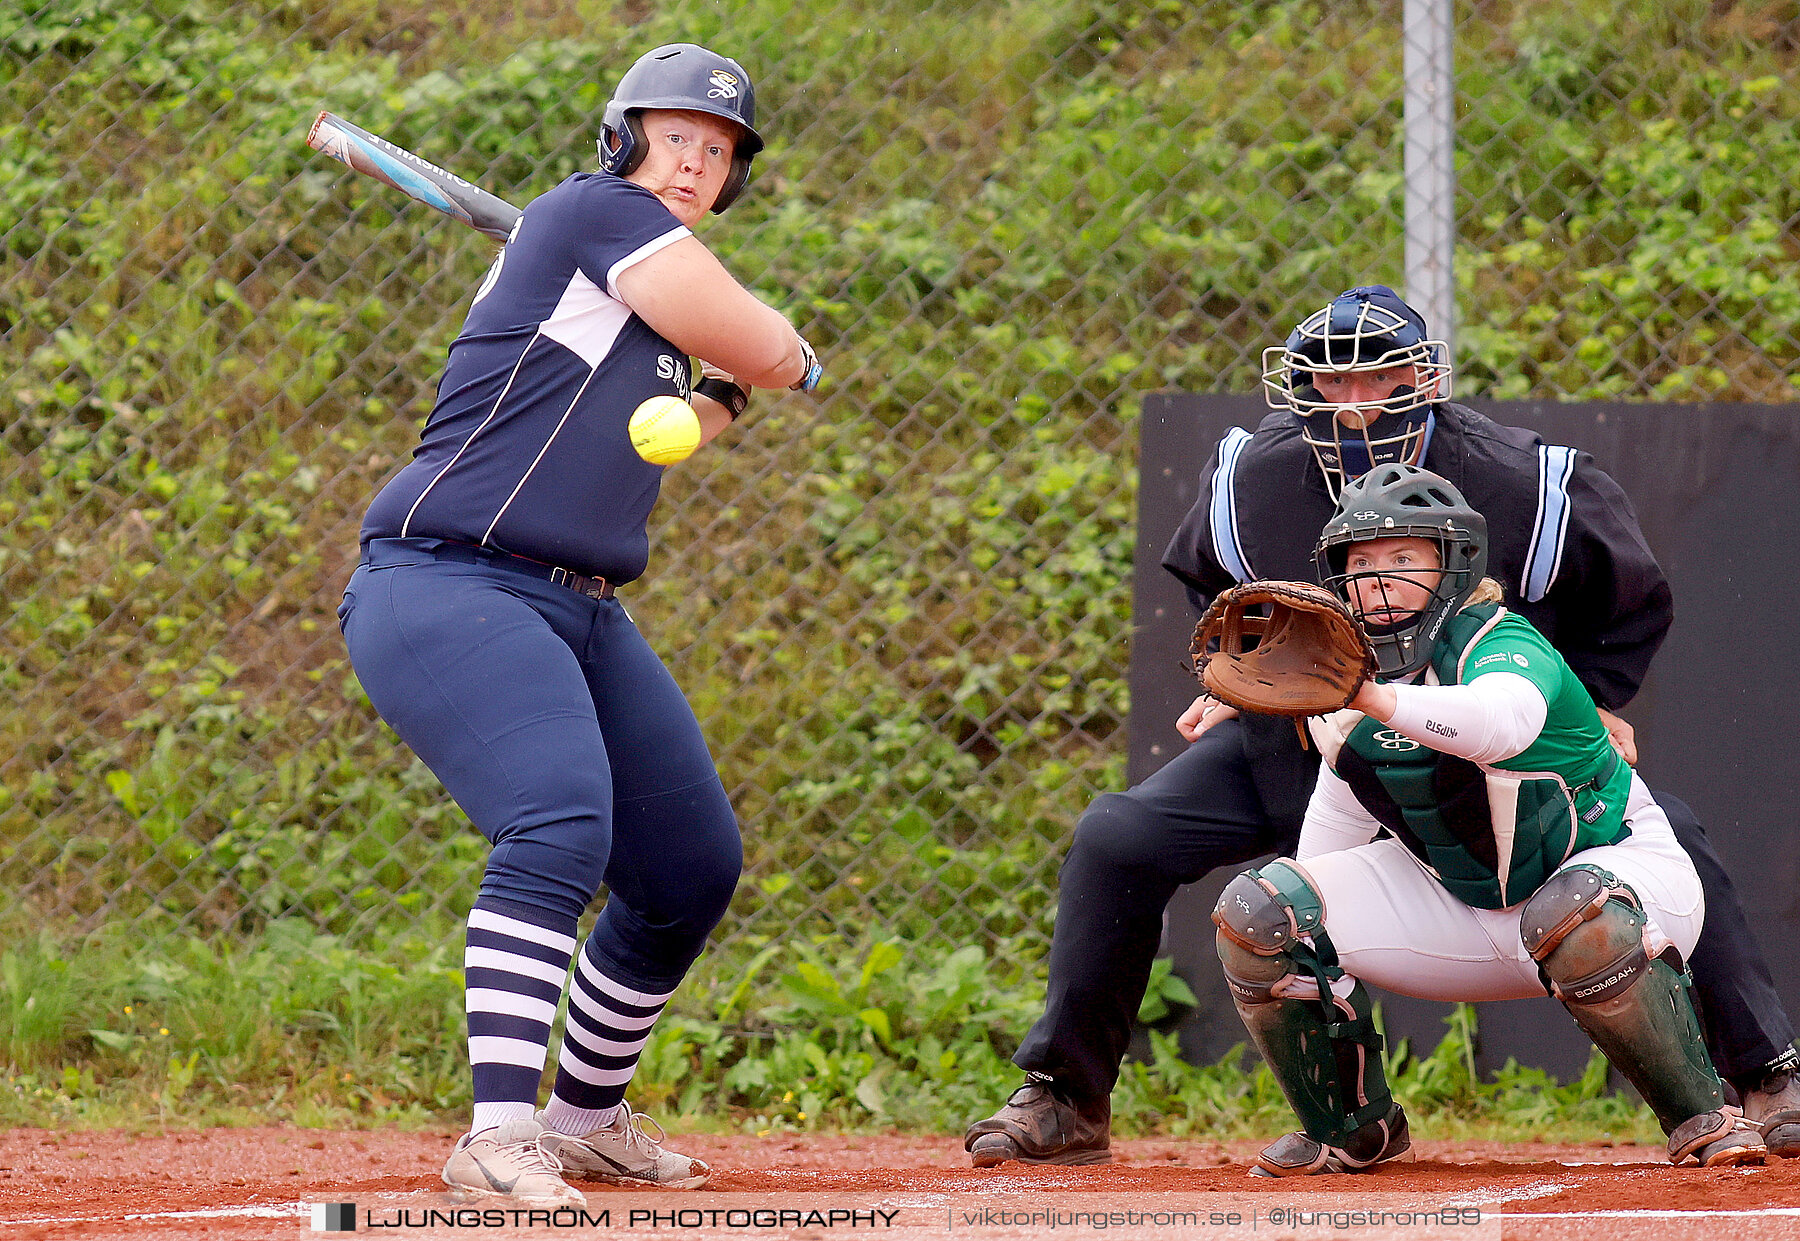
(1563, 542)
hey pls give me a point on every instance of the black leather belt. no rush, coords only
(556, 575)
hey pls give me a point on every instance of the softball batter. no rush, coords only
(1520, 854)
(484, 625)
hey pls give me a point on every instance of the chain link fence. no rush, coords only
(902, 610)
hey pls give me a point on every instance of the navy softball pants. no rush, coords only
(564, 739)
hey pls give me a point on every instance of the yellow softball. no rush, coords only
(664, 430)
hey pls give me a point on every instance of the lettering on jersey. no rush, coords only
(724, 85)
(1498, 657)
(1388, 739)
(675, 370)
(1442, 730)
(493, 274)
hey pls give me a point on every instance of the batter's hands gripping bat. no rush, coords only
(406, 172)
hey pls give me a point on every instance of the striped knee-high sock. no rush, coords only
(514, 966)
(609, 1022)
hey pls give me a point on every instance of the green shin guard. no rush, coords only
(1651, 1035)
(1586, 933)
(1325, 1053)
(1330, 1072)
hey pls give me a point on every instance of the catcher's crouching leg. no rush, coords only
(1322, 1048)
(1585, 929)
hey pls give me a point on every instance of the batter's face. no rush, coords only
(1360, 392)
(687, 160)
(1400, 575)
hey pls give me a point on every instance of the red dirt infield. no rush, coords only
(254, 1183)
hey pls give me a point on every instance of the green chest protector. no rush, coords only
(1490, 837)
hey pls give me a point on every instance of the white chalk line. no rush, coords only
(304, 1209)
(280, 1210)
(1648, 1213)
(298, 1209)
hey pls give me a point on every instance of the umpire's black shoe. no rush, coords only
(1296, 1154)
(1038, 1125)
(1773, 1106)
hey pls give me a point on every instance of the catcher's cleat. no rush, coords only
(509, 1161)
(1037, 1125)
(1379, 1141)
(1774, 1108)
(1720, 1139)
(624, 1153)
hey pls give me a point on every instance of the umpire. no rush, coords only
(1358, 384)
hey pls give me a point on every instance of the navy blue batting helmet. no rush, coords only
(682, 77)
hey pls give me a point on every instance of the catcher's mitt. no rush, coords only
(1310, 657)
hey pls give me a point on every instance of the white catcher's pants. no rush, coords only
(1395, 926)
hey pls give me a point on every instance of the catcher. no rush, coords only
(1517, 853)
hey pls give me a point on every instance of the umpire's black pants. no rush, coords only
(1234, 795)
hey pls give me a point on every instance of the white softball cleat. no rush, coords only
(510, 1161)
(624, 1153)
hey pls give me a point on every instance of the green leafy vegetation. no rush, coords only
(902, 612)
(799, 1036)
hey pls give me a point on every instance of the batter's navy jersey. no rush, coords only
(526, 449)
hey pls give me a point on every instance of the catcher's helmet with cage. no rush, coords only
(1402, 501)
(1368, 328)
(681, 77)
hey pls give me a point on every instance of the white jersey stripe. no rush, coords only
(1556, 465)
(406, 526)
(524, 478)
(586, 321)
(640, 254)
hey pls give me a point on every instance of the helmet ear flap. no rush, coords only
(631, 146)
(635, 145)
(735, 181)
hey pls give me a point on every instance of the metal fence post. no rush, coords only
(1430, 165)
